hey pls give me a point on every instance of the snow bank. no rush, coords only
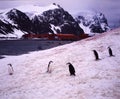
(17, 35)
(93, 80)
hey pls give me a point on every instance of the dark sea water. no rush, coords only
(18, 47)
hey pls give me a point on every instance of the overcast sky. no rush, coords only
(108, 7)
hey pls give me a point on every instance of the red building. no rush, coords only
(58, 36)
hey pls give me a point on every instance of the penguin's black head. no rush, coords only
(50, 61)
(68, 63)
(10, 64)
(108, 47)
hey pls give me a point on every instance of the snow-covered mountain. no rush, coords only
(35, 19)
(93, 80)
(92, 22)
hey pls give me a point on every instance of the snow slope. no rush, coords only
(93, 80)
(17, 35)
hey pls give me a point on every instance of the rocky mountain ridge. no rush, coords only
(51, 19)
(92, 22)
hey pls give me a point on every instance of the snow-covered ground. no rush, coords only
(93, 80)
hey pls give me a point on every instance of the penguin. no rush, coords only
(96, 55)
(48, 68)
(10, 69)
(71, 69)
(110, 51)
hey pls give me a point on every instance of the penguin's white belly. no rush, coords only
(10, 70)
